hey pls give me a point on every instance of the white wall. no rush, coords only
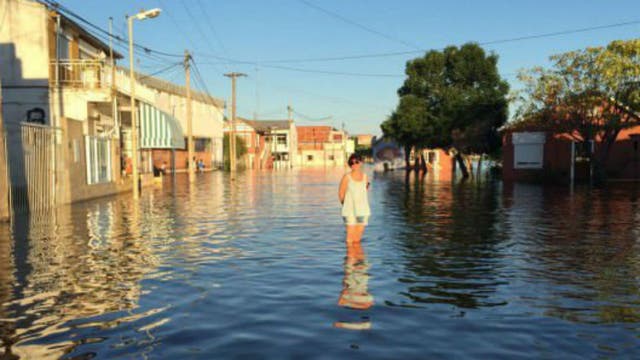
(24, 53)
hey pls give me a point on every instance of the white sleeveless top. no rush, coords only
(356, 200)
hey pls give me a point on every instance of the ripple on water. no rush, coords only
(256, 267)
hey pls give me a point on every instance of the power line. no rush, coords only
(325, 72)
(312, 119)
(493, 42)
(161, 70)
(210, 24)
(70, 13)
(360, 26)
(175, 22)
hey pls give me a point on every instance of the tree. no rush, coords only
(241, 149)
(590, 95)
(406, 125)
(452, 99)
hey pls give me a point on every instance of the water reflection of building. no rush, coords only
(579, 250)
(73, 270)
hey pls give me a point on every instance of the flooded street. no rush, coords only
(255, 267)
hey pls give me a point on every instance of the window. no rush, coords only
(331, 157)
(202, 144)
(63, 47)
(76, 150)
(309, 157)
(98, 153)
(282, 139)
(528, 150)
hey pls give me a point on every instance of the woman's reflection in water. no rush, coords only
(355, 292)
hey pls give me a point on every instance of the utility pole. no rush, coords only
(187, 73)
(134, 115)
(4, 180)
(232, 135)
(290, 137)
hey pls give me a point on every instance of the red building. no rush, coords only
(545, 156)
(313, 137)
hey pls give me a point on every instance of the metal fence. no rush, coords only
(32, 168)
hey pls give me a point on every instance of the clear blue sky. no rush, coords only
(270, 30)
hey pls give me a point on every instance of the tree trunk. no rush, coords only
(423, 163)
(479, 170)
(463, 167)
(407, 156)
(600, 163)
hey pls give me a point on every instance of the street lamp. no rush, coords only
(148, 14)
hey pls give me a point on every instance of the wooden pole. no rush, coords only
(232, 134)
(134, 115)
(190, 159)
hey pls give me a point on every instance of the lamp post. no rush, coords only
(148, 14)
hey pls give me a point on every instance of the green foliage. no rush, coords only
(590, 94)
(451, 98)
(241, 148)
(364, 151)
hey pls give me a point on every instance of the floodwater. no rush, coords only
(256, 268)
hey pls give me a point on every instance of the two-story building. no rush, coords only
(67, 110)
(279, 142)
(59, 108)
(323, 146)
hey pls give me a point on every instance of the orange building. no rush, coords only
(545, 156)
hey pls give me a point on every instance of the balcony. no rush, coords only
(82, 74)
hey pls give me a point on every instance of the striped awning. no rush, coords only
(158, 130)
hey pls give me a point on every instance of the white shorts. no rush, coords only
(356, 220)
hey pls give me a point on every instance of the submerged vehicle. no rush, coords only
(387, 155)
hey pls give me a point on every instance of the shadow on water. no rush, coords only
(70, 264)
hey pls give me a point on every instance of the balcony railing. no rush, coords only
(87, 74)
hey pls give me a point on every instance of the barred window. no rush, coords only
(98, 159)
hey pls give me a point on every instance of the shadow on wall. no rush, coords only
(23, 101)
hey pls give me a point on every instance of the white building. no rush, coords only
(67, 111)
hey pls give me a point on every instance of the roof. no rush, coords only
(86, 35)
(175, 89)
(266, 125)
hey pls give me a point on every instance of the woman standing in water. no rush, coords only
(355, 202)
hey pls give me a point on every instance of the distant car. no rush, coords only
(387, 155)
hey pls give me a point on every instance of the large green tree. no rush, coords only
(452, 99)
(590, 94)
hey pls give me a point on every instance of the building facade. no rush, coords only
(278, 140)
(545, 156)
(323, 146)
(67, 112)
(60, 112)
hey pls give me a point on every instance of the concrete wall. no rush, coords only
(24, 43)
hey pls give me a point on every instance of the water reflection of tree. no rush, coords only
(584, 250)
(80, 262)
(449, 242)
